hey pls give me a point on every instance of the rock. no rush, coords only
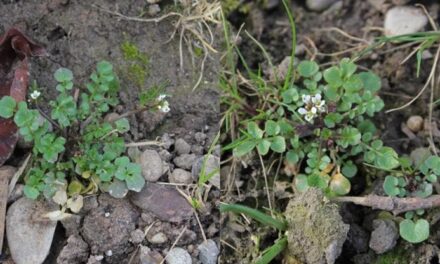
(153, 9)
(151, 164)
(109, 226)
(415, 123)
(165, 155)
(404, 20)
(153, 1)
(319, 5)
(72, 225)
(197, 149)
(181, 176)
(90, 203)
(29, 236)
(158, 238)
(17, 193)
(182, 147)
(208, 252)
(7, 172)
(76, 251)
(212, 169)
(316, 232)
(146, 256)
(178, 255)
(200, 138)
(137, 236)
(164, 202)
(185, 161)
(167, 141)
(384, 236)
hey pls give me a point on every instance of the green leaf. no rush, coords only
(63, 75)
(104, 68)
(301, 183)
(386, 158)
(333, 77)
(353, 84)
(320, 181)
(339, 184)
(424, 190)
(433, 162)
(254, 130)
(432, 178)
(414, 232)
(349, 169)
(263, 147)
(7, 106)
(307, 68)
(31, 192)
(371, 81)
(122, 125)
(134, 179)
(349, 136)
(272, 128)
(278, 144)
(390, 186)
(348, 68)
(331, 119)
(117, 189)
(292, 157)
(244, 148)
(290, 95)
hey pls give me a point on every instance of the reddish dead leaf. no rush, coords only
(15, 49)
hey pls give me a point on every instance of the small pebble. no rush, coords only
(185, 161)
(182, 147)
(401, 20)
(178, 255)
(181, 176)
(208, 252)
(151, 164)
(153, 9)
(107, 214)
(200, 138)
(158, 238)
(415, 123)
(137, 236)
(384, 236)
(109, 253)
(319, 5)
(99, 257)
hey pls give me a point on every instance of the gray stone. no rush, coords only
(158, 238)
(167, 141)
(165, 155)
(384, 236)
(153, 9)
(164, 202)
(76, 251)
(29, 236)
(147, 256)
(151, 163)
(182, 147)
(404, 20)
(185, 161)
(319, 5)
(181, 176)
(72, 225)
(137, 236)
(212, 169)
(178, 255)
(200, 138)
(208, 252)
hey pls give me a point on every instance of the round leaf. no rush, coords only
(301, 183)
(390, 186)
(263, 147)
(414, 232)
(339, 184)
(63, 75)
(308, 68)
(278, 144)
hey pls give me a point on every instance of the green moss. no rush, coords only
(137, 63)
(397, 256)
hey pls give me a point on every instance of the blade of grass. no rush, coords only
(270, 253)
(254, 214)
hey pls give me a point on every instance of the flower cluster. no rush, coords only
(313, 105)
(163, 105)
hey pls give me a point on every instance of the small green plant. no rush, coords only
(77, 151)
(413, 180)
(322, 124)
(138, 62)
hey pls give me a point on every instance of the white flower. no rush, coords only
(164, 107)
(35, 94)
(312, 105)
(161, 97)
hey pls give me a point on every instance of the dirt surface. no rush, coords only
(77, 34)
(317, 40)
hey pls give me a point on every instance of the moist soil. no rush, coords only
(269, 24)
(77, 35)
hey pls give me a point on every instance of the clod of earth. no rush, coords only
(15, 50)
(316, 232)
